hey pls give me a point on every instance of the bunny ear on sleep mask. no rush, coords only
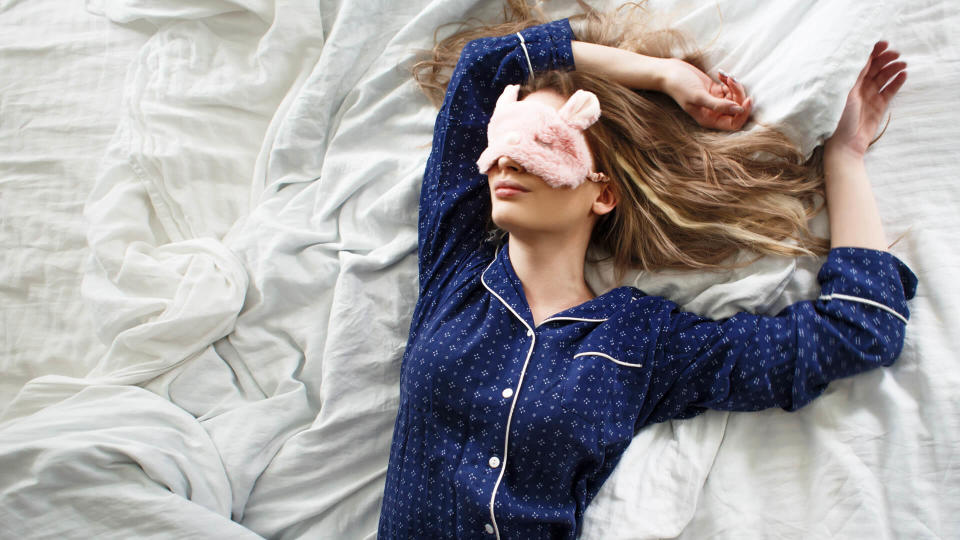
(581, 110)
(547, 142)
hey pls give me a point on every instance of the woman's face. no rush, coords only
(524, 203)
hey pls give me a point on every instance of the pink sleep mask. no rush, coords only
(546, 142)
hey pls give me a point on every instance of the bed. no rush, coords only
(208, 220)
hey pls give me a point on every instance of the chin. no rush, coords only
(501, 218)
(510, 218)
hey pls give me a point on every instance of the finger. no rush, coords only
(894, 86)
(747, 108)
(739, 94)
(730, 108)
(716, 89)
(722, 106)
(888, 71)
(726, 122)
(732, 86)
(709, 118)
(878, 47)
(882, 59)
(741, 119)
(876, 79)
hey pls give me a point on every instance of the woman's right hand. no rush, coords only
(854, 216)
(866, 102)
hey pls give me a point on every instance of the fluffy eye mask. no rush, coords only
(547, 142)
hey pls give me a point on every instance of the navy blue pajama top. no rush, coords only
(506, 429)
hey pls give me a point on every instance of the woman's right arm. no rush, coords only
(454, 197)
(751, 362)
(854, 218)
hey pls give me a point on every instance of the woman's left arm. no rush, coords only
(717, 105)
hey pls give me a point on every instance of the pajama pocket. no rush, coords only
(606, 389)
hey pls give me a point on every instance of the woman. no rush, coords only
(520, 388)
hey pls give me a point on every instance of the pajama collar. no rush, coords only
(501, 280)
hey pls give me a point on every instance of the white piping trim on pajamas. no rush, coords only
(525, 53)
(863, 301)
(516, 394)
(570, 319)
(515, 314)
(608, 357)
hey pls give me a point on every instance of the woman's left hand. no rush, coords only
(715, 105)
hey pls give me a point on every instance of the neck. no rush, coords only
(550, 268)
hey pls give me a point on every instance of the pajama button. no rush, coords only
(494, 462)
(489, 528)
(507, 392)
(529, 332)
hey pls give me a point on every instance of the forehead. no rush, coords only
(547, 97)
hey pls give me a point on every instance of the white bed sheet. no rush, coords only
(208, 219)
(51, 145)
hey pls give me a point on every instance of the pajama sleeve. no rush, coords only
(454, 198)
(751, 362)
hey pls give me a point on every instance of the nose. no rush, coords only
(508, 162)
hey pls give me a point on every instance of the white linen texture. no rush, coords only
(208, 215)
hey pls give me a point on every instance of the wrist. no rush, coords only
(841, 164)
(659, 69)
(667, 70)
(837, 151)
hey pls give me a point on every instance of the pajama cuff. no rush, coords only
(868, 276)
(547, 46)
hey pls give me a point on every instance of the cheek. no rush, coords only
(569, 204)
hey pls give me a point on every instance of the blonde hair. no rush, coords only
(689, 197)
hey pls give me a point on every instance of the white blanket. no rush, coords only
(229, 363)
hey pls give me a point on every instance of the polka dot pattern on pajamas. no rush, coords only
(508, 430)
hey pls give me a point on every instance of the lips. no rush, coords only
(507, 188)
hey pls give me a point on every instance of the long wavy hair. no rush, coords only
(689, 197)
